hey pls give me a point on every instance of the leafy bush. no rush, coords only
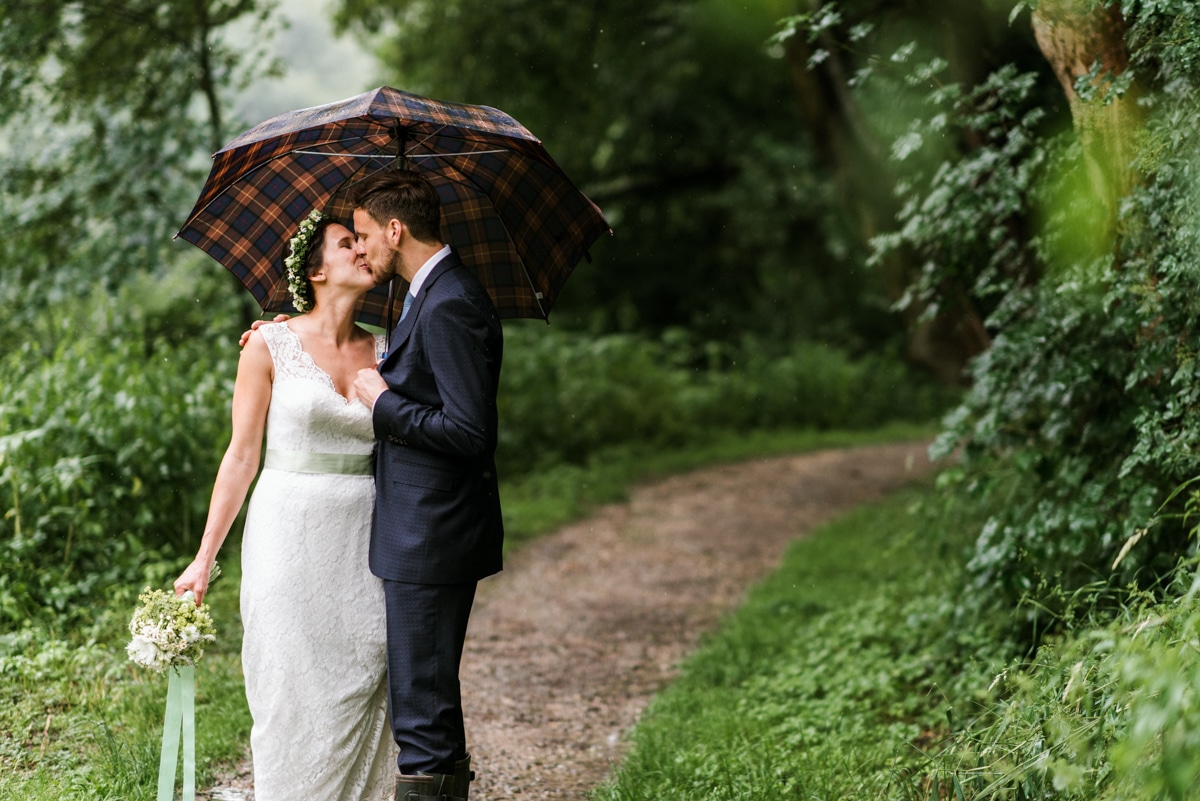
(567, 395)
(1080, 417)
(108, 445)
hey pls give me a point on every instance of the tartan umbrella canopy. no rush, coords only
(507, 209)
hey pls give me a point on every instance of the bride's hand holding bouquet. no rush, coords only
(196, 577)
(170, 630)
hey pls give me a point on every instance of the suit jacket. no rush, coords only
(437, 503)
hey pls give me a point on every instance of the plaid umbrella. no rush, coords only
(507, 208)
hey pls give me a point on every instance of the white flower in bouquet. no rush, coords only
(169, 631)
(144, 652)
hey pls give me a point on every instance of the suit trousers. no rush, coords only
(426, 629)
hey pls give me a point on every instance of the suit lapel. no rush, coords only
(405, 326)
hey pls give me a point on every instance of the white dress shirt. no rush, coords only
(426, 269)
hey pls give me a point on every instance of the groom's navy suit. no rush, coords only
(437, 528)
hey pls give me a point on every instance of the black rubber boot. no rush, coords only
(463, 776)
(437, 786)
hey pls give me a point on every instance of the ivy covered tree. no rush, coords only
(861, 71)
(1078, 244)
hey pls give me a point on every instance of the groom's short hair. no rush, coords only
(402, 195)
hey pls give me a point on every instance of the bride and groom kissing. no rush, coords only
(376, 512)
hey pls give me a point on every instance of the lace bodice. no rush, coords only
(307, 413)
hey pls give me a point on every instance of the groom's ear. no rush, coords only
(395, 231)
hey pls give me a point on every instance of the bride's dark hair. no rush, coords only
(314, 256)
(312, 259)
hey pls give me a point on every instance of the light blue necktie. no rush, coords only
(408, 299)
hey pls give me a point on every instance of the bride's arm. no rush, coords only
(251, 397)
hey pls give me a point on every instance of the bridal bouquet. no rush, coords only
(169, 631)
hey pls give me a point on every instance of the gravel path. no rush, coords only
(583, 627)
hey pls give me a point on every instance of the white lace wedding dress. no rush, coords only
(314, 652)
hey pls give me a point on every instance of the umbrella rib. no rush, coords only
(369, 156)
(452, 155)
(429, 136)
(461, 134)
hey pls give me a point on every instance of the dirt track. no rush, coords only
(568, 644)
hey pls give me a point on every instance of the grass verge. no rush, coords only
(851, 674)
(830, 682)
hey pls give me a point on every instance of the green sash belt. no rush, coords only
(344, 464)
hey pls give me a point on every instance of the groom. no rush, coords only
(437, 527)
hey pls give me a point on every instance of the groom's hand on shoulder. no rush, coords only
(245, 337)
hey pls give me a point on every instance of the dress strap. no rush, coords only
(343, 464)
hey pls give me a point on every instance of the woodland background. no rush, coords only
(826, 215)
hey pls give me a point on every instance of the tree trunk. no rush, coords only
(863, 174)
(1075, 36)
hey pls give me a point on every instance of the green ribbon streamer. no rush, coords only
(180, 716)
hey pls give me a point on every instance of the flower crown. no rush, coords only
(294, 264)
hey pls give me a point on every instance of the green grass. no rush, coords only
(78, 721)
(830, 682)
(851, 674)
(1108, 710)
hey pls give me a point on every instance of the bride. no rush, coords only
(314, 652)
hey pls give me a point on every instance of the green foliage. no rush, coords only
(964, 222)
(106, 115)
(1109, 710)
(113, 414)
(566, 396)
(1079, 418)
(108, 445)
